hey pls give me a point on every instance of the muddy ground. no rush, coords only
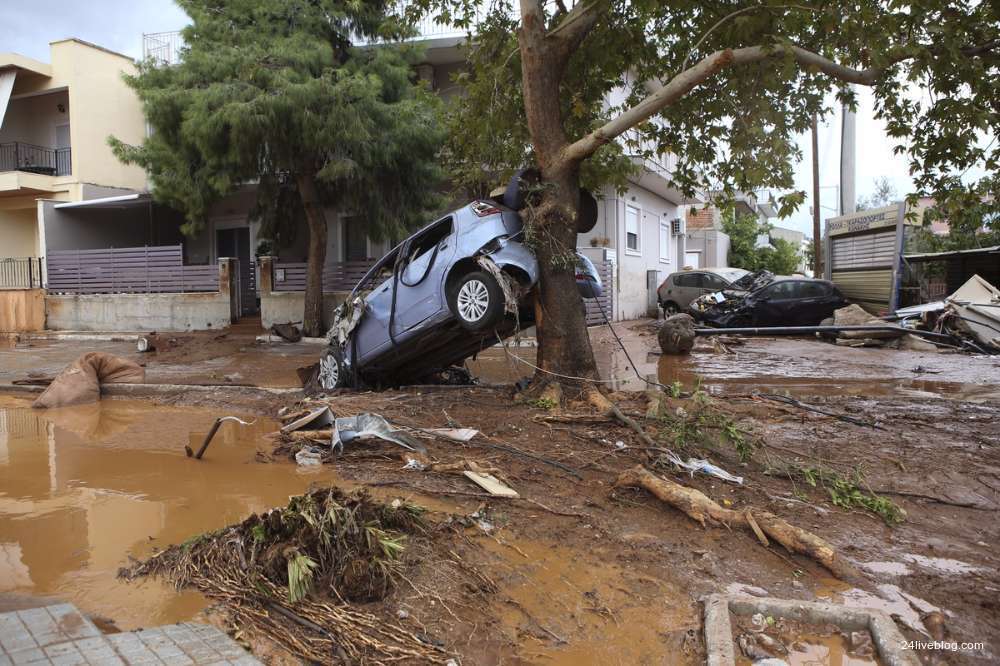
(587, 573)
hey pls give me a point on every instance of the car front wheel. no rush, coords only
(332, 373)
(477, 301)
(670, 309)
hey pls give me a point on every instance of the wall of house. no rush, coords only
(137, 312)
(18, 233)
(100, 105)
(83, 229)
(33, 119)
(713, 245)
(280, 307)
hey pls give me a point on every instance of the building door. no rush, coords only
(236, 243)
(355, 239)
(63, 155)
(692, 259)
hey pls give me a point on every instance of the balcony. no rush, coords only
(30, 158)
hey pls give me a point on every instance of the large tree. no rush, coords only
(272, 93)
(725, 86)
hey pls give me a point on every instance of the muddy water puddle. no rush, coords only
(83, 488)
(800, 368)
(819, 650)
(565, 606)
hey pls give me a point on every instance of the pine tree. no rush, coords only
(273, 92)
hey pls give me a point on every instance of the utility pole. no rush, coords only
(848, 145)
(817, 240)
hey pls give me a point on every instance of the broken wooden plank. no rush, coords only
(491, 484)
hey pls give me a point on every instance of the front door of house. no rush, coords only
(236, 243)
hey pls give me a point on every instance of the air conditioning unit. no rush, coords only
(677, 226)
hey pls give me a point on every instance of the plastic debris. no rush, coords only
(701, 465)
(414, 465)
(350, 428)
(456, 434)
(314, 420)
(309, 456)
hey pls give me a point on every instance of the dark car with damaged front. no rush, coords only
(452, 289)
(782, 301)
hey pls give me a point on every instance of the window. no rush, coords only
(686, 280)
(632, 229)
(665, 241)
(811, 290)
(780, 291)
(714, 282)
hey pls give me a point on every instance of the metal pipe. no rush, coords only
(805, 330)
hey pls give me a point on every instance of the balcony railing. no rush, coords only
(163, 47)
(20, 156)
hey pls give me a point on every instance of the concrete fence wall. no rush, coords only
(144, 312)
(280, 307)
(22, 310)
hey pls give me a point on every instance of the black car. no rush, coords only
(784, 301)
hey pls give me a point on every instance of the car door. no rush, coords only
(420, 292)
(818, 302)
(774, 305)
(687, 287)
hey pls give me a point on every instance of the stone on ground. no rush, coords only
(676, 335)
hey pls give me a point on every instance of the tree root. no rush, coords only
(701, 508)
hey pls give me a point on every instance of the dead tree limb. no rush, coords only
(701, 508)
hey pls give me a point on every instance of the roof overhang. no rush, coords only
(109, 203)
(19, 183)
(24, 64)
(940, 256)
(655, 178)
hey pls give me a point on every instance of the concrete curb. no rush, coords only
(153, 390)
(80, 335)
(267, 337)
(719, 634)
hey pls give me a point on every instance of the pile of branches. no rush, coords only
(292, 573)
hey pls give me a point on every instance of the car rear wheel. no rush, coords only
(477, 301)
(670, 309)
(332, 373)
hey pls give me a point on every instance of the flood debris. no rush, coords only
(697, 506)
(288, 332)
(211, 433)
(80, 382)
(295, 575)
(309, 420)
(490, 484)
(362, 426)
(676, 334)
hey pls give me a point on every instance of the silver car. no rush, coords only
(457, 286)
(679, 289)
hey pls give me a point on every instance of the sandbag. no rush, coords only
(80, 382)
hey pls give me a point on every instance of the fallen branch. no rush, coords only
(809, 408)
(484, 496)
(701, 508)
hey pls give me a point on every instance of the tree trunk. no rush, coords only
(564, 350)
(312, 317)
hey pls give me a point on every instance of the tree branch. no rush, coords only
(578, 23)
(663, 96)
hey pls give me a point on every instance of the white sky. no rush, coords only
(27, 27)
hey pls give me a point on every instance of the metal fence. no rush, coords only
(129, 270)
(606, 270)
(20, 156)
(22, 272)
(163, 47)
(340, 276)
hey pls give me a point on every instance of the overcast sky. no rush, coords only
(27, 27)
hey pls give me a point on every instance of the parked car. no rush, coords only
(679, 289)
(455, 287)
(780, 301)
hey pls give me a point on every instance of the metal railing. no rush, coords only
(163, 47)
(20, 156)
(22, 272)
(337, 276)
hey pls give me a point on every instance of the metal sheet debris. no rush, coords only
(350, 428)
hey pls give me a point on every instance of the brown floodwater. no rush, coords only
(84, 488)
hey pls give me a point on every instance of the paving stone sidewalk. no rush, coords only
(61, 636)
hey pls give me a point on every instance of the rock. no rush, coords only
(855, 315)
(912, 342)
(861, 644)
(676, 335)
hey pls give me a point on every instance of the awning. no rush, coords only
(123, 201)
(938, 256)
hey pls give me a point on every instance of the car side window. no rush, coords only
(779, 291)
(683, 280)
(810, 289)
(714, 282)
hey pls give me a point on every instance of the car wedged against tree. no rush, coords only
(452, 289)
(780, 301)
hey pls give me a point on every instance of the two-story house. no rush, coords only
(55, 119)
